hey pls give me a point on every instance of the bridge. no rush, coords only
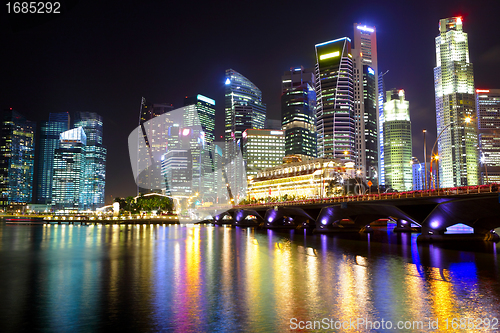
(430, 212)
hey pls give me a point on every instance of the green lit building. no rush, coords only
(298, 113)
(17, 156)
(397, 142)
(455, 103)
(334, 100)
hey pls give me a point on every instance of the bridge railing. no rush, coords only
(463, 190)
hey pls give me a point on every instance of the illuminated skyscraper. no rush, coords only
(488, 123)
(17, 155)
(298, 113)
(48, 142)
(365, 75)
(95, 160)
(381, 100)
(146, 145)
(243, 109)
(68, 191)
(454, 87)
(397, 142)
(334, 100)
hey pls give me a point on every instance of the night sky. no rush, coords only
(103, 58)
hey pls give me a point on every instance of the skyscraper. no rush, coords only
(48, 142)
(488, 123)
(381, 101)
(95, 160)
(298, 112)
(397, 142)
(334, 99)
(365, 75)
(17, 155)
(147, 145)
(455, 103)
(69, 173)
(244, 109)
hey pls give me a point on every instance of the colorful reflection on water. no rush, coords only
(205, 278)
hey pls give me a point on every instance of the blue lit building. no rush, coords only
(334, 102)
(298, 113)
(95, 160)
(69, 171)
(381, 101)
(48, 142)
(244, 109)
(17, 156)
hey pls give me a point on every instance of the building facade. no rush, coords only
(381, 100)
(69, 172)
(262, 148)
(244, 109)
(150, 147)
(488, 123)
(334, 100)
(397, 142)
(298, 113)
(48, 142)
(419, 175)
(365, 79)
(93, 189)
(455, 102)
(17, 156)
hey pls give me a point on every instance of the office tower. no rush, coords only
(200, 111)
(365, 75)
(95, 160)
(381, 101)
(262, 148)
(334, 100)
(397, 142)
(455, 105)
(243, 110)
(488, 123)
(17, 155)
(48, 142)
(68, 191)
(150, 180)
(298, 113)
(177, 168)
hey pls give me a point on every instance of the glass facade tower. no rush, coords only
(365, 75)
(397, 142)
(488, 123)
(95, 160)
(244, 109)
(298, 113)
(334, 100)
(47, 144)
(17, 156)
(455, 102)
(68, 192)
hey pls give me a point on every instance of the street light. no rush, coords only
(467, 120)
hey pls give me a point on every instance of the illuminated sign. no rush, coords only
(206, 99)
(276, 132)
(459, 20)
(371, 71)
(329, 55)
(365, 28)
(186, 131)
(228, 81)
(482, 91)
(297, 69)
(401, 92)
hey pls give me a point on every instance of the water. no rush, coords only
(60, 278)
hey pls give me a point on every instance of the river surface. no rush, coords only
(139, 278)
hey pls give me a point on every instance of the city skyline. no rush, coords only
(111, 97)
